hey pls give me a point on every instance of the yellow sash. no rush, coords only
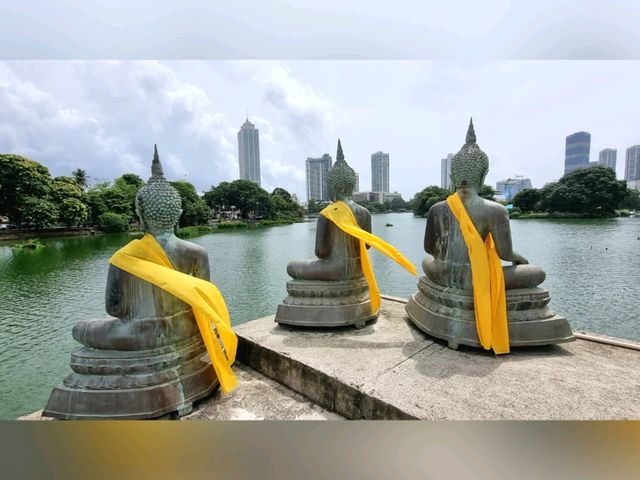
(489, 298)
(146, 259)
(342, 216)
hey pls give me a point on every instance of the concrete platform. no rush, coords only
(392, 370)
(256, 398)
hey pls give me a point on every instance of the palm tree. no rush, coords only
(80, 176)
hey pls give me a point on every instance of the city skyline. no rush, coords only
(105, 116)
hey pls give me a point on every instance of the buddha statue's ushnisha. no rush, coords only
(150, 358)
(468, 236)
(338, 287)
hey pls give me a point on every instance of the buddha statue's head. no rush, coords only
(470, 165)
(158, 204)
(341, 178)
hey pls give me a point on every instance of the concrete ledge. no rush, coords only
(392, 370)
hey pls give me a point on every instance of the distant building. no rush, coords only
(357, 187)
(445, 172)
(379, 197)
(577, 148)
(380, 172)
(633, 184)
(249, 152)
(607, 158)
(632, 164)
(317, 170)
(511, 186)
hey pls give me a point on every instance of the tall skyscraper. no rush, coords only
(632, 164)
(576, 154)
(607, 158)
(445, 172)
(317, 170)
(511, 186)
(357, 187)
(380, 172)
(249, 152)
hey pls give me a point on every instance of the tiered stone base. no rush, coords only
(448, 313)
(315, 303)
(133, 385)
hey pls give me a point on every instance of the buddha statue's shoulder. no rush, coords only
(495, 209)
(439, 209)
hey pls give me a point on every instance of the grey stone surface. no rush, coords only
(146, 360)
(259, 398)
(256, 398)
(330, 290)
(392, 370)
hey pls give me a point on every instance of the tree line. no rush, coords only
(586, 192)
(31, 198)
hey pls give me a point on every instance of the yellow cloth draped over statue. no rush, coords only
(342, 216)
(146, 259)
(489, 297)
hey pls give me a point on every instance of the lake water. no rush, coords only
(593, 274)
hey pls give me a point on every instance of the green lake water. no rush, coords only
(593, 274)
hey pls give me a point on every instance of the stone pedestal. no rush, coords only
(118, 384)
(448, 313)
(315, 303)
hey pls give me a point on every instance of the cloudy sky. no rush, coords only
(105, 116)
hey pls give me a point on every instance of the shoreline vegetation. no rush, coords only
(35, 204)
(592, 192)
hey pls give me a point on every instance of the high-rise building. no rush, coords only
(576, 154)
(607, 158)
(249, 152)
(632, 164)
(511, 186)
(317, 171)
(445, 172)
(380, 172)
(357, 187)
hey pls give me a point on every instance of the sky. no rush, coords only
(105, 116)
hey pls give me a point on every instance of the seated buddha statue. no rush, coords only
(149, 358)
(147, 316)
(338, 254)
(444, 303)
(331, 290)
(450, 266)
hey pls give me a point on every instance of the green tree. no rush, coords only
(313, 206)
(72, 211)
(80, 177)
(425, 199)
(129, 184)
(592, 191)
(245, 195)
(527, 200)
(631, 200)
(487, 192)
(40, 212)
(195, 211)
(397, 204)
(113, 222)
(21, 178)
